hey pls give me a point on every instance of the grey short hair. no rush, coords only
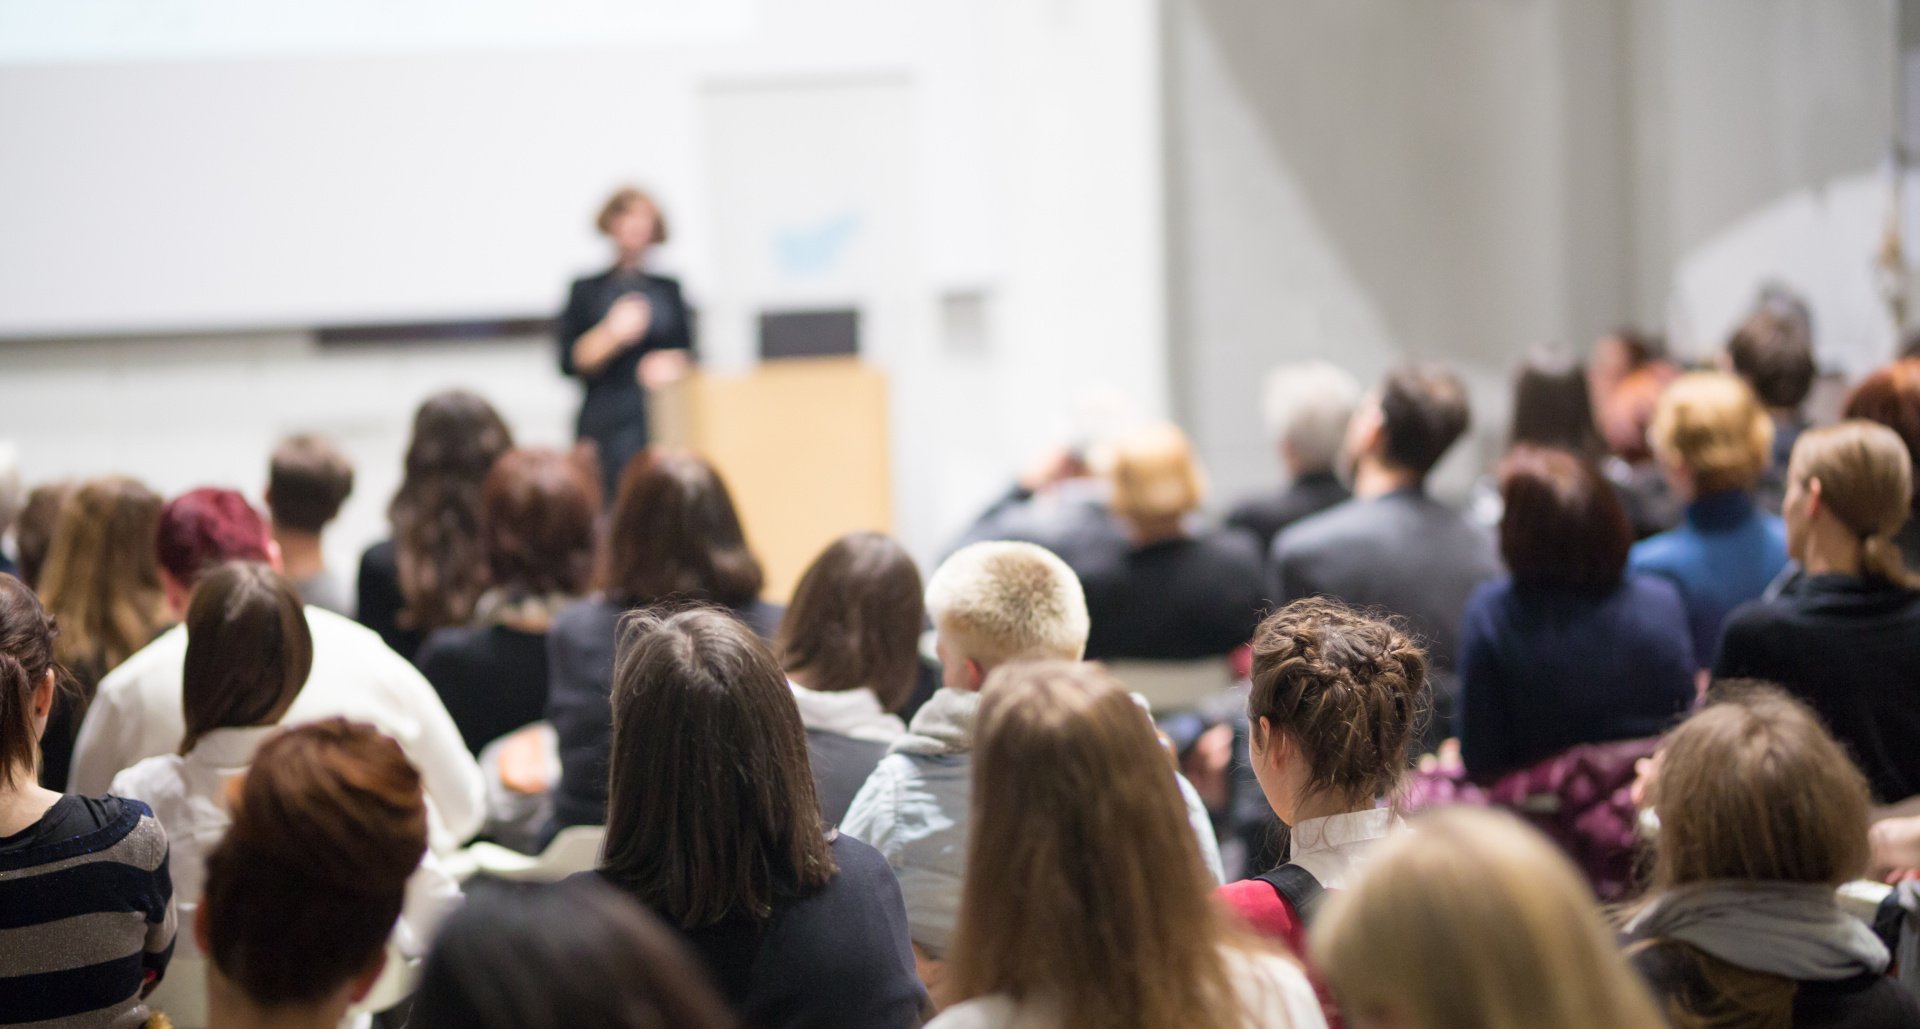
(1307, 407)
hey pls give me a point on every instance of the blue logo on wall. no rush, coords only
(810, 251)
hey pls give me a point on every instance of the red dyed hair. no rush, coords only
(1891, 396)
(205, 527)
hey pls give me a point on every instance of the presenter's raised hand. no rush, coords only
(662, 368)
(626, 324)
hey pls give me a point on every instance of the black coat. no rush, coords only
(614, 411)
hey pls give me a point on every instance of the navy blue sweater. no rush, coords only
(1545, 669)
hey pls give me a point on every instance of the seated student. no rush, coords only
(1846, 637)
(102, 584)
(89, 923)
(1713, 438)
(1567, 648)
(1626, 417)
(1166, 590)
(1392, 546)
(1470, 920)
(992, 604)
(537, 511)
(713, 824)
(138, 713)
(1308, 406)
(850, 644)
(574, 955)
(248, 655)
(432, 571)
(674, 538)
(1773, 351)
(301, 894)
(1890, 396)
(1761, 816)
(33, 530)
(307, 482)
(1335, 708)
(1051, 934)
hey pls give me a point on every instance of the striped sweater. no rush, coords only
(86, 915)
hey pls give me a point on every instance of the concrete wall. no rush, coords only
(1464, 180)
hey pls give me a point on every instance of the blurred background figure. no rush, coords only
(1306, 409)
(307, 481)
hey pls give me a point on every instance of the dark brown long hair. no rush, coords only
(27, 636)
(856, 618)
(711, 811)
(1552, 406)
(328, 824)
(457, 436)
(1067, 765)
(248, 650)
(1563, 524)
(675, 535)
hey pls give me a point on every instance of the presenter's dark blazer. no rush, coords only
(614, 412)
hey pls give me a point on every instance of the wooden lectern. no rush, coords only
(802, 445)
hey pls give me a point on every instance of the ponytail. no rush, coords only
(26, 656)
(1866, 482)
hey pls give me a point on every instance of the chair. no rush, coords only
(575, 849)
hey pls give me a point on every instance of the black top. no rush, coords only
(1863, 1002)
(1543, 669)
(380, 600)
(1850, 647)
(85, 906)
(1175, 600)
(614, 398)
(841, 765)
(1266, 515)
(579, 699)
(839, 957)
(492, 679)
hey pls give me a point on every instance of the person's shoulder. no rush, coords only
(859, 861)
(1260, 906)
(1326, 529)
(149, 779)
(450, 644)
(996, 1011)
(379, 557)
(1661, 551)
(1649, 593)
(156, 663)
(129, 834)
(590, 614)
(345, 634)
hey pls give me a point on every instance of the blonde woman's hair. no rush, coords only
(1711, 424)
(1003, 601)
(1866, 481)
(1067, 766)
(1472, 920)
(102, 579)
(1155, 476)
(1752, 788)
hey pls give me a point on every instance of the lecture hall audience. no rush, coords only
(1307, 407)
(308, 479)
(138, 711)
(1395, 546)
(328, 825)
(1714, 441)
(674, 538)
(1049, 936)
(88, 925)
(537, 511)
(850, 644)
(712, 823)
(1845, 638)
(431, 572)
(102, 584)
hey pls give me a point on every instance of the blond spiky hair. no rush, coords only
(1003, 601)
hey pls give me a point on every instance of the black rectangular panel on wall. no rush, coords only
(825, 333)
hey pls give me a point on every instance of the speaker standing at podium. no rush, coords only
(624, 331)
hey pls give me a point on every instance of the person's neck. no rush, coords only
(1375, 478)
(1145, 532)
(629, 262)
(300, 553)
(229, 1008)
(1831, 550)
(24, 804)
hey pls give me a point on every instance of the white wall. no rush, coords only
(1034, 196)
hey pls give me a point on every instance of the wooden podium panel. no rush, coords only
(802, 445)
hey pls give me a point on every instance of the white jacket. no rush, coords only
(913, 810)
(136, 715)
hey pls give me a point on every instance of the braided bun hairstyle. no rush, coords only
(27, 633)
(1349, 690)
(328, 824)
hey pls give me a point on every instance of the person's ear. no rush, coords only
(275, 559)
(42, 702)
(1267, 744)
(363, 983)
(1813, 491)
(976, 675)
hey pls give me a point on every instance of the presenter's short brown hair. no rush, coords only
(623, 198)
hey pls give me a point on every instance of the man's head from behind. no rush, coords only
(993, 603)
(306, 484)
(1409, 423)
(203, 528)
